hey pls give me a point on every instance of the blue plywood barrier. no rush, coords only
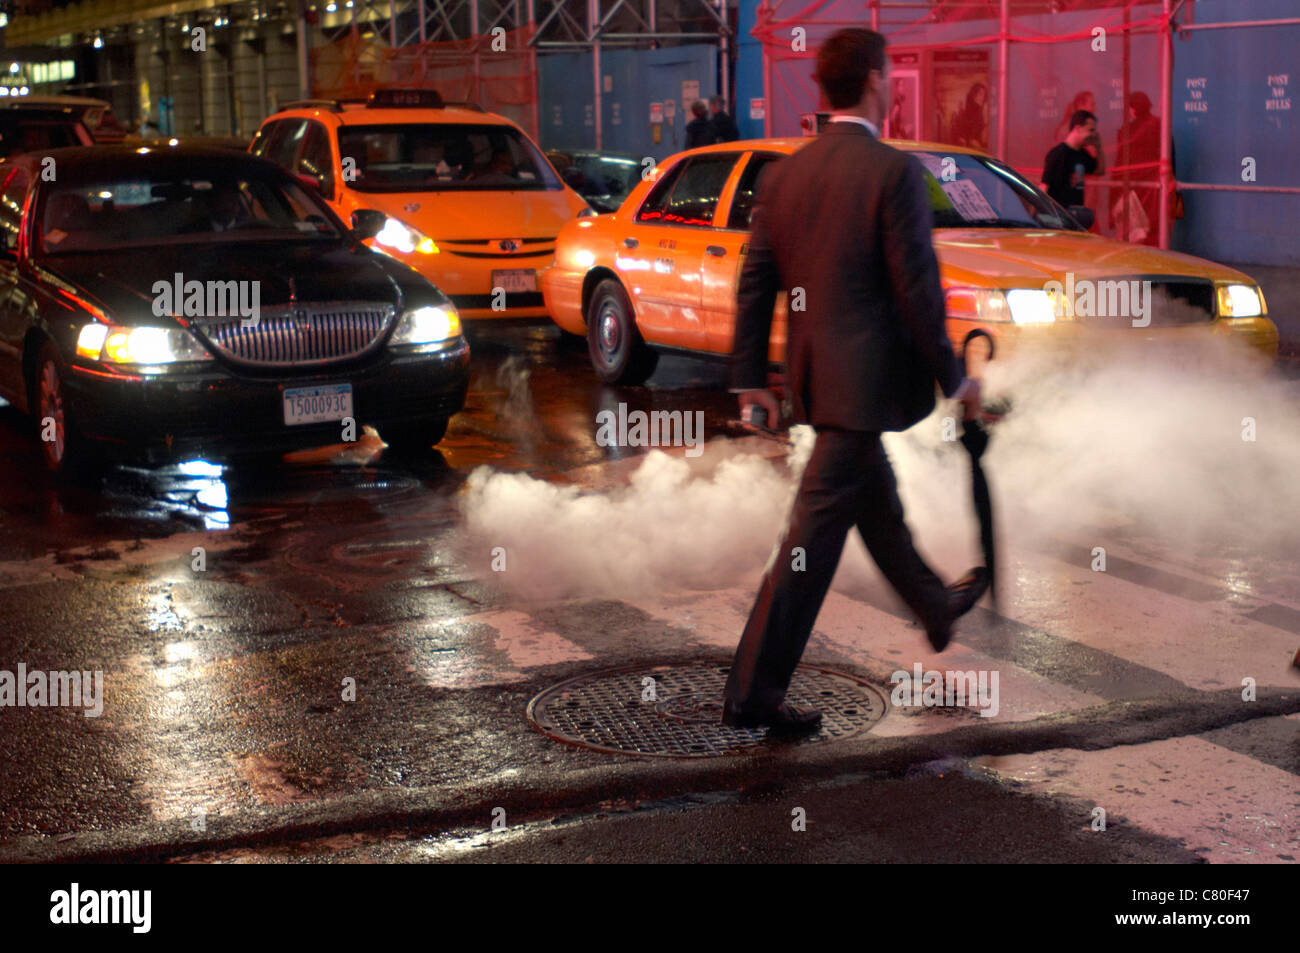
(1236, 98)
(631, 81)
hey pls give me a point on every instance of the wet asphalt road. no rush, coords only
(225, 735)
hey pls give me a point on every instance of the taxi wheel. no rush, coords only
(63, 450)
(415, 439)
(618, 352)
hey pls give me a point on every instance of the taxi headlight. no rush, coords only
(1021, 305)
(427, 325)
(1031, 306)
(111, 344)
(401, 237)
(1240, 301)
(976, 304)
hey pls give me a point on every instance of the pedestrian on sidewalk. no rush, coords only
(846, 219)
(724, 126)
(1068, 163)
(699, 131)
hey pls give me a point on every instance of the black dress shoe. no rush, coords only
(782, 721)
(962, 596)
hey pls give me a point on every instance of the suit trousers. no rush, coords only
(848, 482)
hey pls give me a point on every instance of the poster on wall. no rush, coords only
(690, 93)
(959, 85)
(903, 121)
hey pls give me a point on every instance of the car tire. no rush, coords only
(415, 439)
(618, 352)
(67, 454)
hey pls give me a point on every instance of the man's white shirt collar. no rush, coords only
(867, 124)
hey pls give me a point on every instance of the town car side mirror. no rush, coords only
(1083, 215)
(367, 223)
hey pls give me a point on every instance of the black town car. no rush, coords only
(183, 302)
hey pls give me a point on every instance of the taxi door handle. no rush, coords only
(630, 242)
(717, 251)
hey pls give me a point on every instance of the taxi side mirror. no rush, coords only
(1082, 215)
(367, 223)
(313, 182)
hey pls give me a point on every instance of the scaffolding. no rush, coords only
(483, 51)
(1003, 26)
(463, 44)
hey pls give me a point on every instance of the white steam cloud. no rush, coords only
(1092, 442)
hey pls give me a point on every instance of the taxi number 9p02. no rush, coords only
(314, 405)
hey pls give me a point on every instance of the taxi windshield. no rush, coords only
(414, 157)
(968, 191)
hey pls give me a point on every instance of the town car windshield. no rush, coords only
(159, 208)
(414, 157)
(968, 191)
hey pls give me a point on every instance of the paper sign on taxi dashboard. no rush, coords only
(968, 200)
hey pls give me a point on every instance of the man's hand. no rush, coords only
(969, 395)
(763, 398)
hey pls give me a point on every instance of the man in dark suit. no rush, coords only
(699, 131)
(844, 224)
(724, 127)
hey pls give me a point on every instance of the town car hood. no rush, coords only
(1009, 258)
(122, 282)
(448, 216)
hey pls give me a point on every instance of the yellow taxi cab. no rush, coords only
(472, 203)
(1017, 268)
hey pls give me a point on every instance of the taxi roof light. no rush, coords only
(388, 97)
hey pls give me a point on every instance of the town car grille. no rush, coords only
(302, 334)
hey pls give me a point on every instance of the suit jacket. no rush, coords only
(847, 220)
(699, 132)
(724, 127)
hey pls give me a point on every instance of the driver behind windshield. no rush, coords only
(499, 171)
(220, 209)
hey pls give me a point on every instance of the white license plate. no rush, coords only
(314, 405)
(515, 280)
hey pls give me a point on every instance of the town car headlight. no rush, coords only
(1240, 301)
(427, 325)
(112, 344)
(403, 238)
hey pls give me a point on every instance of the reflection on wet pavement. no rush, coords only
(532, 406)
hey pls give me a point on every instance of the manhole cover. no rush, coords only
(678, 714)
